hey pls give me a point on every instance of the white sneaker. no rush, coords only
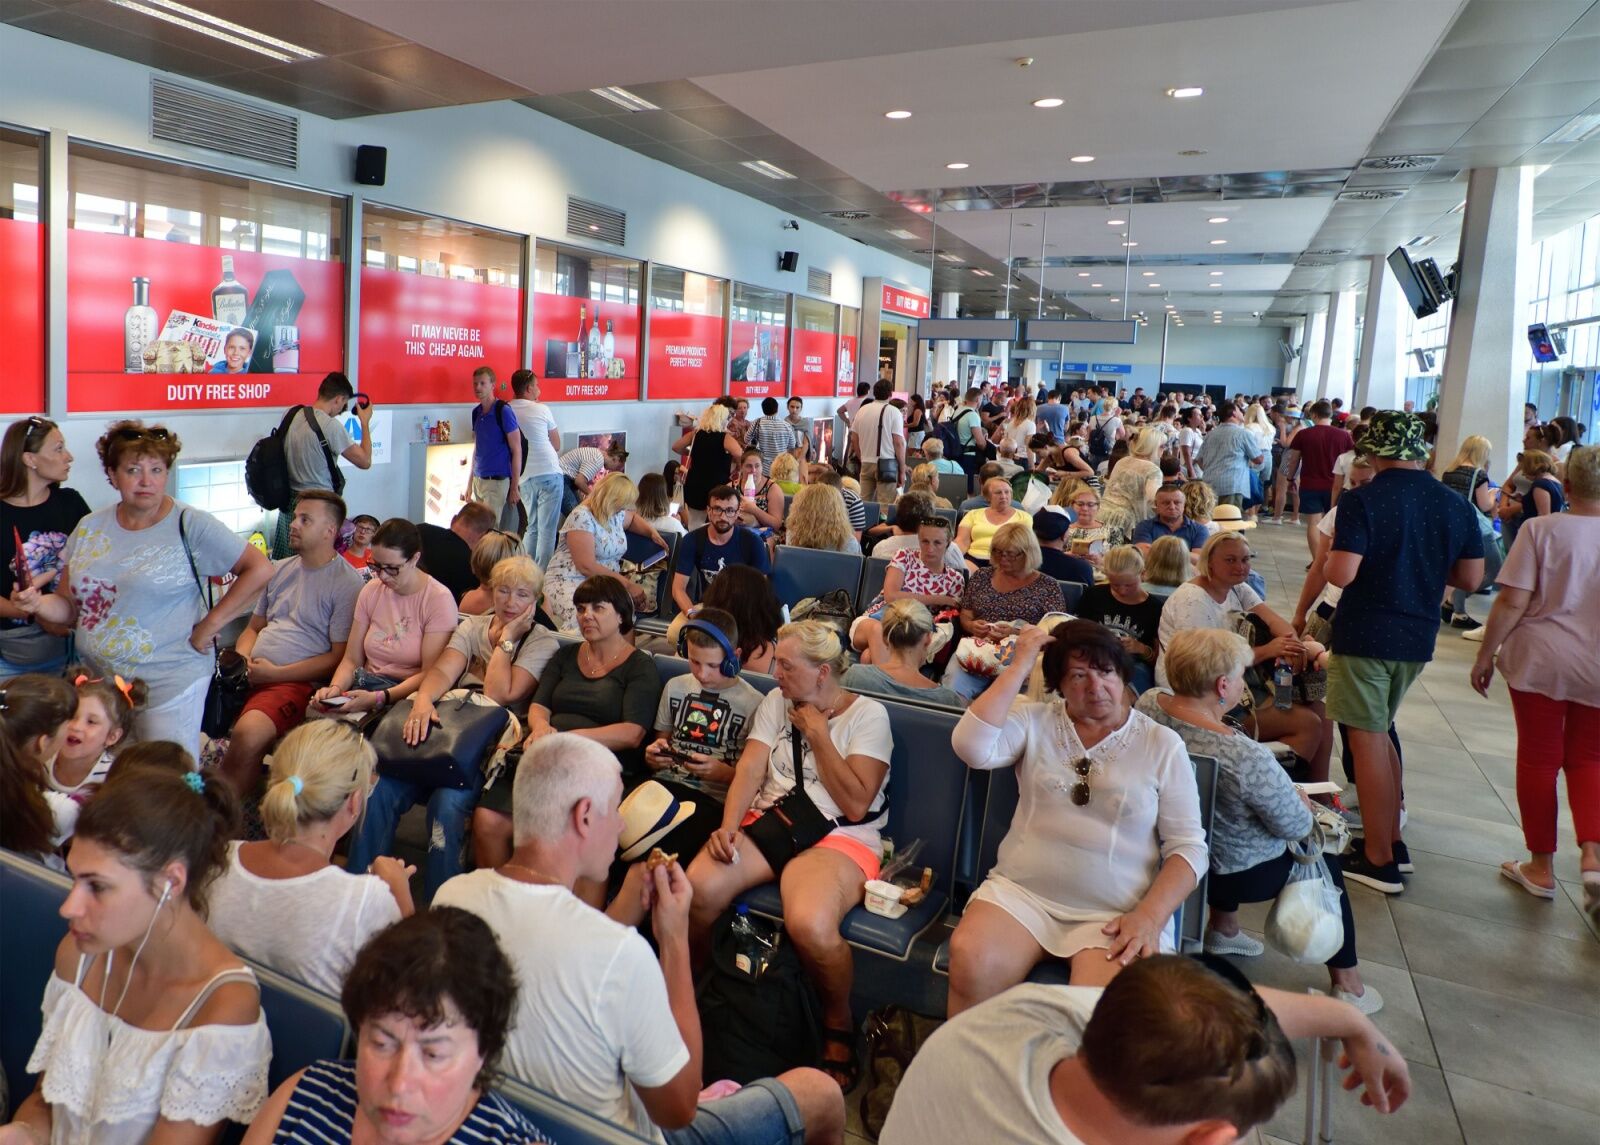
(1476, 635)
(1242, 944)
(1369, 1001)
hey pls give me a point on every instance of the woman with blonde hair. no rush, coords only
(1200, 502)
(712, 453)
(283, 902)
(786, 473)
(1166, 565)
(1018, 429)
(1123, 605)
(900, 646)
(1131, 485)
(592, 543)
(813, 741)
(818, 520)
(978, 528)
(492, 548)
(925, 480)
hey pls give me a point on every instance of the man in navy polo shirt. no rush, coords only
(1397, 542)
(720, 542)
(1169, 521)
(496, 447)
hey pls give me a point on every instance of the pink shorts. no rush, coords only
(856, 851)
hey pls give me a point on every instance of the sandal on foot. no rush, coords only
(1512, 870)
(1591, 896)
(847, 1072)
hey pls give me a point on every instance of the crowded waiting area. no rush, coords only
(799, 573)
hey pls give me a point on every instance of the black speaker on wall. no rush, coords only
(371, 163)
(788, 260)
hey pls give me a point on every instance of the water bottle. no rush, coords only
(1282, 685)
(750, 948)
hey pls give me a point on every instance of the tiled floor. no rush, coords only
(1491, 995)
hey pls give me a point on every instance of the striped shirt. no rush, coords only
(322, 1111)
(771, 436)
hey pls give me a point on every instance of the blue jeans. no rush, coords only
(541, 497)
(762, 1113)
(449, 810)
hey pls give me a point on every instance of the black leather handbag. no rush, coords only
(230, 674)
(453, 755)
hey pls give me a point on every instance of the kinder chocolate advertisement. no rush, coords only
(846, 382)
(686, 356)
(815, 363)
(159, 325)
(422, 336)
(584, 350)
(22, 317)
(759, 353)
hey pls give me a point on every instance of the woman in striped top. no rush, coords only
(430, 1000)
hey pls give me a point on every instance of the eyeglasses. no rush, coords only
(722, 510)
(1080, 790)
(386, 570)
(1086, 504)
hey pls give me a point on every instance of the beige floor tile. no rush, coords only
(1477, 890)
(1492, 1114)
(1428, 1118)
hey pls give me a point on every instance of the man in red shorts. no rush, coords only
(1317, 447)
(297, 636)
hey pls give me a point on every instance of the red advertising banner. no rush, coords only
(21, 317)
(421, 337)
(815, 363)
(758, 357)
(847, 367)
(158, 325)
(900, 300)
(685, 355)
(584, 350)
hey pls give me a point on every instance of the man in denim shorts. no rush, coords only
(1398, 541)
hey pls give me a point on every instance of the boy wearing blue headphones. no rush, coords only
(701, 724)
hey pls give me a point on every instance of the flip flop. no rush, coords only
(1591, 895)
(1513, 870)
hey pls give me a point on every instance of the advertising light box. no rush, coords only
(758, 357)
(686, 356)
(585, 350)
(422, 336)
(159, 325)
(816, 363)
(21, 316)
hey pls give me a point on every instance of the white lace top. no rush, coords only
(108, 1082)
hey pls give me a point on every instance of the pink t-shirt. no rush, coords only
(1551, 650)
(396, 624)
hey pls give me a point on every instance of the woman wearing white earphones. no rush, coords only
(153, 1029)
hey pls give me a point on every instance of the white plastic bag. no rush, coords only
(1305, 922)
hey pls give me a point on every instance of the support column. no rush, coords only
(1339, 347)
(1381, 379)
(1486, 358)
(944, 353)
(1002, 350)
(1311, 354)
(1293, 335)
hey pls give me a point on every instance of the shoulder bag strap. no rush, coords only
(327, 450)
(194, 571)
(238, 974)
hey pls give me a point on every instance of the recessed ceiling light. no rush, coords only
(1218, 242)
(770, 170)
(1216, 274)
(981, 273)
(1094, 286)
(1083, 274)
(1083, 158)
(902, 233)
(1130, 244)
(897, 114)
(1048, 101)
(1116, 300)
(219, 29)
(957, 166)
(1215, 285)
(1186, 92)
(1148, 273)
(623, 98)
(1218, 219)
(1153, 285)
(1116, 222)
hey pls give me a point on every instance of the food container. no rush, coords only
(884, 898)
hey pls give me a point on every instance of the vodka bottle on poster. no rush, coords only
(139, 326)
(596, 362)
(583, 341)
(608, 345)
(230, 302)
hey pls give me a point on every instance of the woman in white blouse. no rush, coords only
(152, 1027)
(1106, 842)
(282, 902)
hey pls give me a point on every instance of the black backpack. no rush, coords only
(1100, 440)
(756, 1027)
(266, 469)
(949, 432)
(500, 404)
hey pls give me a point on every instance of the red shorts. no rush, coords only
(857, 852)
(283, 704)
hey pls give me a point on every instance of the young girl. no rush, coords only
(104, 718)
(34, 711)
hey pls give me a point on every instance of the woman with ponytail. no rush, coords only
(282, 902)
(152, 1028)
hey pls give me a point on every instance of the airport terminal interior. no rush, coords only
(494, 305)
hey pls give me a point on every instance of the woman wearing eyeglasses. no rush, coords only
(38, 510)
(1106, 842)
(132, 584)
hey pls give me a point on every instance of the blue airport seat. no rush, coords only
(1073, 592)
(874, 512)
(872, 570)
(953, 487)
(951, 515)
(666, 608)
(799, 573)
(562, 1122)
(927, 795)
(30, 902)
(669, 666)
(307, 1026)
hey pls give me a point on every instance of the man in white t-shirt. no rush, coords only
(541, 478)
(599, 1021)
(1175, 1051)
(878, 432)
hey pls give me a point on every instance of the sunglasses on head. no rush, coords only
(136, 432)
(38, 429)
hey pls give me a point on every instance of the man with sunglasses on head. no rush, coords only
(720, 542)
(1174, 1051)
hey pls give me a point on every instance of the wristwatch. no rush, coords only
(508, 646)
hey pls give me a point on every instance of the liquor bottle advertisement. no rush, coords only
(686, 356)
(22, 316)
(421, 337)
(846, 382)
(584, 349)
(760, 354)
(157, 325)
(815, 354)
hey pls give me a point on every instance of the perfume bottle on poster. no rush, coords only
(139, 325)
(286, 349)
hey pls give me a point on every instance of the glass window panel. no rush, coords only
(393, 239)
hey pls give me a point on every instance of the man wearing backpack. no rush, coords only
(311, 453)
(496, 450)
(965, 441)
(600, 1021)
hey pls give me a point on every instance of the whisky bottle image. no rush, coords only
(230, 302)
(608, 348)
(583, 341)
(138, 327)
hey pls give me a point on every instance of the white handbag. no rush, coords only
(1305, 922)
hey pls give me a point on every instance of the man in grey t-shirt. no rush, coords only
(310, 466)
(296, 637)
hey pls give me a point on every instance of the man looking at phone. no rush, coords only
(312, 454)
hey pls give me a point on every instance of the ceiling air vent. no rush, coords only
(1326, 252)
(198, 118)
(594, 221)
(819, 282)
(848, 216)
(1372, 195)
(1399, 162)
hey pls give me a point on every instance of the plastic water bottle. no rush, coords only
(1282, 685)
(750, 948)
(750, 487)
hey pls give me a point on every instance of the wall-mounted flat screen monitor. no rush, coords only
(1419, 296)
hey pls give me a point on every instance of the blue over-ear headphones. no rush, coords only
(730, 655)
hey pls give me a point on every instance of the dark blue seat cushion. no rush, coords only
(891, 937)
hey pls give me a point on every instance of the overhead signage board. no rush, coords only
(1080, 330)
(1109, 368)
(906, 302)
(967, 329)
